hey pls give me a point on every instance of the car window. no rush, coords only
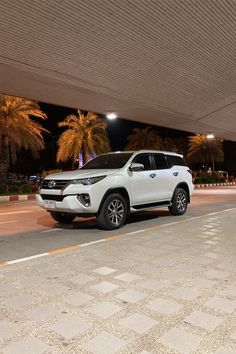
(161, 162)
(143, 159)
(108, 161)
(176, 160)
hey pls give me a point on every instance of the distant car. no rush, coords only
(111, 184)
(34, 179)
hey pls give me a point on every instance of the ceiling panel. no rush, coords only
(166, 62)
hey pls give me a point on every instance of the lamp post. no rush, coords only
(211, 136)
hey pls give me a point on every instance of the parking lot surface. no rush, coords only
(166, 288)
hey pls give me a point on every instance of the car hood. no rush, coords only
(80, 174)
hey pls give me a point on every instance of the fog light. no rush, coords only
(84, 199)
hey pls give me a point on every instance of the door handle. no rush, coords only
(152, 175)
(175, 174)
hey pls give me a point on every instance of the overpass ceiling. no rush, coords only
(165, 62)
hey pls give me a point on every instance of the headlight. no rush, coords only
(88, 181)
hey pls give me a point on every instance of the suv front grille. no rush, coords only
(57, 198)
(54, 184)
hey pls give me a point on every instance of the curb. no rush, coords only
(16, 198)
(206, 185)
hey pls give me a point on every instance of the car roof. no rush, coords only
(145, 151)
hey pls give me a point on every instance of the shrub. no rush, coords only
(26, 188)
(35, 188)
(14, 189)
(3, 188)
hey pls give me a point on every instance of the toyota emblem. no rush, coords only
(51, 184)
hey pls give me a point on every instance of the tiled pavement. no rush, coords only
(169, 290)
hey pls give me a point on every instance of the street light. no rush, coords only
(211, 136)
(111, 116)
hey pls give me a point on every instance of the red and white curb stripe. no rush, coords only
(204, 185)
(16, 198)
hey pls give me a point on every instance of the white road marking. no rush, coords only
(92, 242)
(17, 212)
(27, 258)
(7, 222)
(49, 230)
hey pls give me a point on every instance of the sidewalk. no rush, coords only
(168, 289)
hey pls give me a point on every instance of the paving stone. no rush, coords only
(138, 323)
(105, 287)
(31, 345)
(225, 305)
(104, 309)
(131, 296)
(165, 307)
(20, 300)
(174, 276)
(41, 313)
(200, 283)
(82, 279)
(6, 290)
(77, 298)
(186, 293)
(203, 320)
(230, 291)
(153, 284)
(180, 340)
(70, 327)
(216, 274)
(7, 328)
(104, 343)
(233, 335)
(188, 267)
(52, 289)
(145, 352)
(225, 350)
(128, 277)
(146, 269)
(213, 255)
(104, 270)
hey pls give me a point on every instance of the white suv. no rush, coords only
(112, 184)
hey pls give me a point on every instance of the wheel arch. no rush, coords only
(120, 190)
(184, 186)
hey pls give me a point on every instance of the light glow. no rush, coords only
(210, 136)
(111, 116)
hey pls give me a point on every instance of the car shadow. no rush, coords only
(91, 224)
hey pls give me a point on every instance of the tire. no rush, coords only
(113, 212)
(62, 217)
(179, 202)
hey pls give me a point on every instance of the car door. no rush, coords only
(165, 180)
(142, 183)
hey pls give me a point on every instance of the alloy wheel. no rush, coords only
(115, 212)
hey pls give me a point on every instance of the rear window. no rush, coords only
(176, 160)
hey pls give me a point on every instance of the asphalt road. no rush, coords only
(27, 230)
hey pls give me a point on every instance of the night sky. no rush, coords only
(118, 131)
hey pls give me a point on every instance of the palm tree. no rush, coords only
(85, 136)
(18, 129)
(204, 150)
(169, 144)
(145, 138)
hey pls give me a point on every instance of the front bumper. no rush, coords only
(68, 203)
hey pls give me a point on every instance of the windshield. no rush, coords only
(108, 161)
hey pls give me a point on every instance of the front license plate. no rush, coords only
(50, 204)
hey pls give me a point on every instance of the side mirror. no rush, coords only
(136, 167)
